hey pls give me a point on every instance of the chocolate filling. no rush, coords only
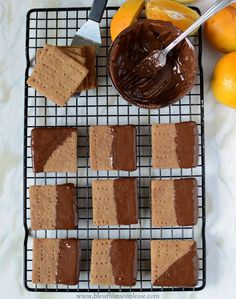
(123, 154)
(124, 256)
(126, 200)
(183, 272)
(68, 262)
(186, 144)
(44, 142)
(144, 86)
(186, 201)
(66, 217)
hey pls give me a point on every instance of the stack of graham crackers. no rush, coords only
(63, 71)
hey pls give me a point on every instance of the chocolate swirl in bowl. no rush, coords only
(143, 86)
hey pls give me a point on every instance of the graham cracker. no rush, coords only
(100, 139)
(64, 158)
(164, 146)
(78, 58)
(163, 209)
(91, 81)
(83, 54)
(53, 207)
(115, 201)
(57, 76)
(165, 253)
(101, 268)
(43, 207)
(73, 49)
(83, 85)
(91, 61)
(45, 260)
(38, 54)
(75, 54)
(104, 205)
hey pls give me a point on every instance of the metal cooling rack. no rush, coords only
(103, 106)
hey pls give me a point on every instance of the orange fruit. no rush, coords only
(178, 14)
(125, 16)
(220, 29)
(224, 80)
(185, 1)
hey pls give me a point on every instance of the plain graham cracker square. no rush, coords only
(82, 54)
(57, 76)
(76, 54)
(85, 55)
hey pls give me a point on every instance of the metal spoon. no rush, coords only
(157, 58)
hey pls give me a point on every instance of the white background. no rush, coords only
(220, 166)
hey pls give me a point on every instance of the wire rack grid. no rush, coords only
(104, 106)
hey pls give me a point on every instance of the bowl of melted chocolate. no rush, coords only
(143, 86)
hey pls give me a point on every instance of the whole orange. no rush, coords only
(224, 80)
(220, 29)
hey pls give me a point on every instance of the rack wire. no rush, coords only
(104, 106)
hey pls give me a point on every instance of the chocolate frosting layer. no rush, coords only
(44, 142)
(123, 154)
(183, 272)
(66, 217)
(68, 262)
(186, 201)
(141, 85)
(124, 259)
(126, 200)
(187, 144)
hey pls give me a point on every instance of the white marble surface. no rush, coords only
(220, 165)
